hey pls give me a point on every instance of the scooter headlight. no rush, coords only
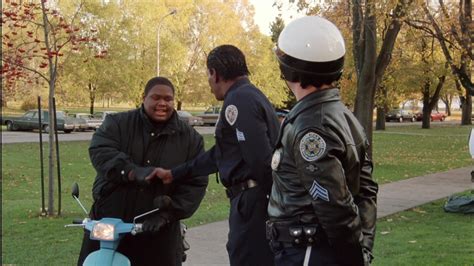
(103, 231)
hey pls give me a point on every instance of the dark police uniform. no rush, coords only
(246, 134)
(323, 202)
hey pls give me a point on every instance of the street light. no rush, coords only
(172, 12)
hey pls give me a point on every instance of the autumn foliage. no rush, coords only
(26, 54)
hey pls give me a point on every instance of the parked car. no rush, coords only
(211, 115)
(29, 121)
(91, 122)
(435, 115)
(102, 115)
(190, 119)
(400, 115)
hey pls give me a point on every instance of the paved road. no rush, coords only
(20, 137)
(208, 241)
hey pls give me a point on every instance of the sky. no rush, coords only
(265, 14)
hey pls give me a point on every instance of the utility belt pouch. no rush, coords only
(296, 234)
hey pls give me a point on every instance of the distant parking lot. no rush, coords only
(19, 136)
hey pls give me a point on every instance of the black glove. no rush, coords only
(139, 174)
(155, 223)
(368, 257)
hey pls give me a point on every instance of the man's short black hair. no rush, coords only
(157, 81)
(228, 61)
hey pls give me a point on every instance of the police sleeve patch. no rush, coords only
(240, 135)
(312, 146)
(231, 113)
(319, 192)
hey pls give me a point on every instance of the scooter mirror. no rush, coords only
(75, 190)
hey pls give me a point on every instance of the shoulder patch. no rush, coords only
(276, 159)
(312, 146)
(231, 113)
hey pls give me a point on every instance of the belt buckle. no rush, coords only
(251, 183)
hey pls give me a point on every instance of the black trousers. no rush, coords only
(247, 244)
(318, 255)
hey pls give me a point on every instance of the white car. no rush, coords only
(92, 122)
(190, 119)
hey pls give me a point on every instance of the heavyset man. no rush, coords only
(323, 203)
(124, 151)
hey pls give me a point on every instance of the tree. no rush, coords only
(40, 36)
(276, 27)
(370, 67)
(463, 41)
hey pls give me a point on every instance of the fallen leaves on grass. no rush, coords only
(418, 210)
(385, 232)
(412, 241)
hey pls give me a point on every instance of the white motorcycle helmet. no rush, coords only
(311, 46)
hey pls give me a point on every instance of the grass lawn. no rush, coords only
(425, 235)
(399, 153)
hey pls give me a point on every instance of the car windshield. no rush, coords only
(184, 114)
(396, 111)
(60, 114)
(85, 116)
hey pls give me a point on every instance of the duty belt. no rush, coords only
(235, 190)
(294, 233)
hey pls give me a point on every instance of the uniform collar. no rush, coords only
(313, 99)
(238, 83)
(170, 127)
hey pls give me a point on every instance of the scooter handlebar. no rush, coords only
(77, 221)
(137, 228)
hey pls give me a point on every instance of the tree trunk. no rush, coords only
(466, 109)
(380, 121)
(91, 97)
(180, 104)
(364, 102)
(373, 66)
(447, 99)
(51, 161)
(52, 83)
(426, 105)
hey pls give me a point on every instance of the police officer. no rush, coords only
(323, 202)
(246, 134)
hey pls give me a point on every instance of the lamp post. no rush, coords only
(172, 12)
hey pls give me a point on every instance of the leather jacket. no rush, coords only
(321, 171)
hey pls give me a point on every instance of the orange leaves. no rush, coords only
(43, 65)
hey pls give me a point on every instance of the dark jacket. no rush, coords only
(322, 173)
(126, 141)
(243, 146)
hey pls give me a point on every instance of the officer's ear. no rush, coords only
(213, 75)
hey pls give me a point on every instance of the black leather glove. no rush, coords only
(155, 223)
(139, 174)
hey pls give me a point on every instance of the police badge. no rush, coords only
(276, 160)
(231, 114)
(312, 146)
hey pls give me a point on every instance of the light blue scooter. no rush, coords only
(109, 231)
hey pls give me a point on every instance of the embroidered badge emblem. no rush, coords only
(231, 114)
(276, 160)
(312, 146)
